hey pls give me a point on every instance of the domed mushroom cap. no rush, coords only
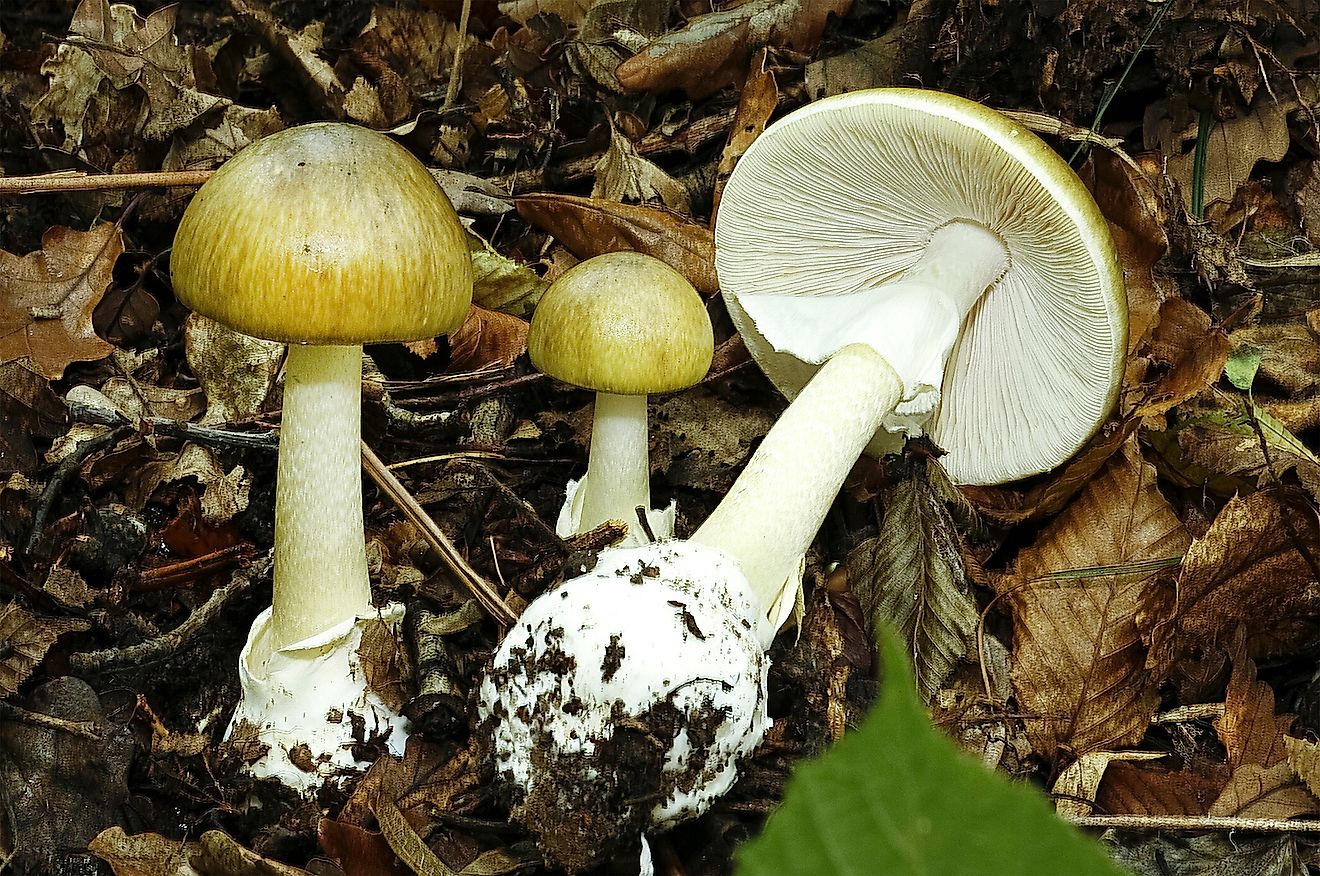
(622, 322)
(326, 234)
(843, 195)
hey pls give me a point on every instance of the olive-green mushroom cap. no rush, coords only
(624, 323)
(324, 234)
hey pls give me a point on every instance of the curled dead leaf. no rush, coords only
(47, 298)
(589, 227)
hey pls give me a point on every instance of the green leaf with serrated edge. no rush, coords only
(1242, 365)
(896, 797)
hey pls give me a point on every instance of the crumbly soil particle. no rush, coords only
(614, 655)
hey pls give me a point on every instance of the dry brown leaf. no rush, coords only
(47, 298)
(759, 98)
(1193, 348)
(487, 338)
(611, 31)
(1246, 571)
(1076, 788)
(1290, 354)
(299, 50)
(1255, 791)
(421, 776)
(237, 372)
(1219, 449)
(1304, 758)
(1133, 789)
(622, 174)
(218, 852)
(110, 46)
(220, 138)
(712, 50)
(589, 227)
(701, 439)
(1232, 151)
(28, 639)
(28, 410)
(1080, 659)
(1249, 729)
(523, 11)
(144, 854)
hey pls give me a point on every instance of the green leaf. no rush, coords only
(896, 797)
(1242, 365)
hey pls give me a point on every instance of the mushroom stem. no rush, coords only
(769, 517)
(320, 575)
(618, 465)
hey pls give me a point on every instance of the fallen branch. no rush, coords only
(1195, 822)
(77, 181)
(168, 643)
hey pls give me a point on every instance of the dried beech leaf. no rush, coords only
(1249, 729)
(385, 663)
(759, 98)
(1140, 789)
(622, 174)
(1076, 788)
(405, 842)
(220, 139)
(610, 32)
(144, 854)
(1215, 854)
(712, 50)
(1245, 571)
(1080, 660)
(700, 439)
(1195, 351)
(236, 371)
(1304, 758)
(47, 298)
(1290, 354)
(1255, 791)
(1232, 150)
(28, 410)
(523, 11)
(28, 638)
(911, 578)
(487, 338)
(502, 284)
(589, 227)
(218, 852)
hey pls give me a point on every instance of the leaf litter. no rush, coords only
(1136, 630)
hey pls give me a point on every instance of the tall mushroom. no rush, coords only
(625, 325)
(324, 237)
(952, 217)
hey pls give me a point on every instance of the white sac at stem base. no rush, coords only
(307, 694)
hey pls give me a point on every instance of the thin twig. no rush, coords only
(85, 729)
(76, 181)
(168, 643)
(456, 69)
(81, 412)
(63, 472)
(1195, 822)
(478, 586)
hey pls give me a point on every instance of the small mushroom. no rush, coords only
(323, 237)
(623, 324)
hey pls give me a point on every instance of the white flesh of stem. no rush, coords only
(771, 514)
(618, 466)
(320, 576)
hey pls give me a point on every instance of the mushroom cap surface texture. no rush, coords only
(622, 322)
(324, 234)
(842, 196)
